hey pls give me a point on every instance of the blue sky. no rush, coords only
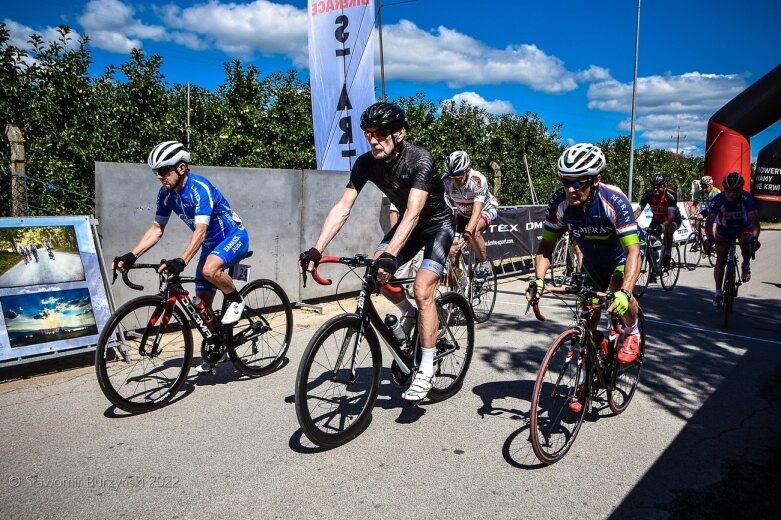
(569, 61)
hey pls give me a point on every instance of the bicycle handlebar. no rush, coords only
(578, 288)
(173, 281)
(355, 261)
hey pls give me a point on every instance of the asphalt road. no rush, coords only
(66, 267)
(231, 447)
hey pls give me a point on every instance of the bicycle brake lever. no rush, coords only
(114, 278)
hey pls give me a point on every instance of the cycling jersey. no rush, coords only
(660, 204)
(733, 215)
(475, 189)
(602, 227)
(413, 168)
(199, 202)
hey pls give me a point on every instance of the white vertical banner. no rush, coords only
(341, 77)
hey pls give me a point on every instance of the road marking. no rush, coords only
(711, 331)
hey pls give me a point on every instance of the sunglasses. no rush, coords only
(163, 172)
(576, 184)
(737, 190)
(378, 134)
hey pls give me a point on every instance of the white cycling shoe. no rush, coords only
(419, 388)
(233, 313)
(208, 368)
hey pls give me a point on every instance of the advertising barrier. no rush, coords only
(52, 292)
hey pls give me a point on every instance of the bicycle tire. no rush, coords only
(624, 378)
(139, 383)
(262, 335)
(643, 278)
(670, 273)
(692, 251)
(455, 345)
(558, 261)
(332, 410)
(728, 291)
(482, 295)
(554, 426)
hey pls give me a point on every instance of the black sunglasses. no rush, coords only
(576, 184)
(378, 134)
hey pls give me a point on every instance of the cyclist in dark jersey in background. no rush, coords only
(735, 215)
(217, 230)
(664, 206)
(405, 173)
(599, 217)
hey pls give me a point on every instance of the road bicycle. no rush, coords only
(564, 261)
(460, 275)
(339, 376)
(145, 350)
(653, 266)
(694, 248)
(580, 363)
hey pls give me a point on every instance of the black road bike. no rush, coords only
(145, 350)
(339, 376)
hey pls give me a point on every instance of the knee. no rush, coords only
(210, 271)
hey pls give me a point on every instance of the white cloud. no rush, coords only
(112, 26)
(19, 35)
(457, 59)
(665, 103)
(496, 106)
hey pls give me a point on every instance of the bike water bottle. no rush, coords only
(206, 313)
(461, 275)
(394, 324)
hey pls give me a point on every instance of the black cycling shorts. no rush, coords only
(434, 238)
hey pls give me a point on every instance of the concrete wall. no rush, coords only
(283, 211)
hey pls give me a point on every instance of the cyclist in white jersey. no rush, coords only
(208, 214)
(467, 191)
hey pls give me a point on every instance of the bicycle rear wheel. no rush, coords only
(671, 271)
(142, 359)
(729, 291)
(455, 345)
(554, 426)
(334, 398)
(558, 265)
(624, 378)
(262, 336)
(643, 278)
(482, 294)
(692, 251)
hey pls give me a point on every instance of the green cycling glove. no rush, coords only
(621, 299)
(535, 288)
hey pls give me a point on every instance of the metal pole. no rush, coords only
(19, 207)
(634, 102)
(382, 59)
(187, 144)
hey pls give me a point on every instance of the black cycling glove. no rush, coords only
(313, 255)
(388, 263)
(127, 260)
(174, 266)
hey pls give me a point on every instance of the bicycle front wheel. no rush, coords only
(337, 382)
(625, 377)
(143, 354)
(554, 426)
(644, 277)
(729, 291)
(262, 336)
(455, 345)
(692, 251)
(671, 269)
(558, 265)
(482, 294)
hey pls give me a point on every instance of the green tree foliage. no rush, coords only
(71, 120)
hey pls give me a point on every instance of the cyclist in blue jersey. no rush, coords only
(406, 174)
(600, 219)
(735, 215)
(217, 230)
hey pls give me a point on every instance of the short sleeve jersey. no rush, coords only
(661, 204)
(733, 215)
(601, 227)
(475, 189)
(413, 168)
(199, 202)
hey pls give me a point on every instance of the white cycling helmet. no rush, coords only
(169, 153)
(706, 182)
(581, 160)
(456, 164)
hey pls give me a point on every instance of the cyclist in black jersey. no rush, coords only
(406, 174)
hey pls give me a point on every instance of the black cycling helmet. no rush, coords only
(659, 180)
(387, 116)
(733, 181)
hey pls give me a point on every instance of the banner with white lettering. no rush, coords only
(516, 232)
(341, 77)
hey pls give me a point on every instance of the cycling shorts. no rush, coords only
(488, 215)
(434, 238)
(600, 275)
(725, 235)
(677, 221)
(231, 250)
